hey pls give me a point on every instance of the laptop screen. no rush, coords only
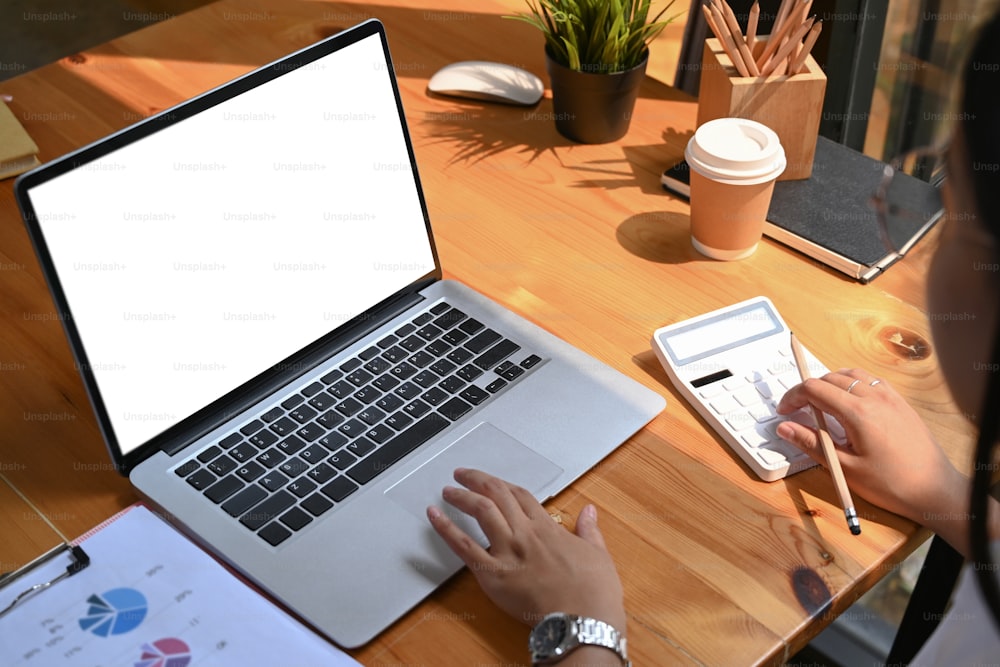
(200, 255)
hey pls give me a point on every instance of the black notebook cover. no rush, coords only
(830, 216)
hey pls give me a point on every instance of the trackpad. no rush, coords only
(486, 448)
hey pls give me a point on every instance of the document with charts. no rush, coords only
(150, 598)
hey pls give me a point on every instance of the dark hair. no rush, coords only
(981, 130)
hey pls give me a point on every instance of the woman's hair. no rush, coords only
(981, 130)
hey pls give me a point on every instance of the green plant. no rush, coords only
(600, 36)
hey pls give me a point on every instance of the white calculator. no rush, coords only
(734, 365)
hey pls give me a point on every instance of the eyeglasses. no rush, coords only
(903, 204)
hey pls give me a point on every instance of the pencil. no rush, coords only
(774, 41)
(779, 18)
(792, 42)
(728, 43)
(752, 25)
(826, 442)
(800, 59)
(741, 44)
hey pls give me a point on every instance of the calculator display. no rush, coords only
(720, 333)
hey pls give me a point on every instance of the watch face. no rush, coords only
(548, 635)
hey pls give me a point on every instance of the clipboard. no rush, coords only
(134, 591)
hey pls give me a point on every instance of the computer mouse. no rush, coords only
(492, 82)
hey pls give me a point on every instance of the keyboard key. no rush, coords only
(201, 479)
(403, 371)
(421, 359)
(303, 414)
(243, 451)
(284, 426)
(434, 396)
(399, 421)
(429, 332)
(244, 500)
(422, 319)
(387, 342)
(361, 447)
(512, 373)
(438, 347)
(313, 389)
(295, 518)
(294, 467)
(350, 365)
(316, 504)
(367, 394)
(274, 534)
(389, 402)
(291, 445)
(321, 473)
(292, 401)
(385, 382)
(496, 385)
(380, 433)
(332, 441)
(349, 406)
(224, 488)
(441, 307)
(412, 343)
(405, 330)
(267, 510)
(271, 458)
(273, 480)
(322, 401)
(342, 460)
(454, 408)
(408, 390)
(747, 396)
(250, 471)
(530, 361)
(332, 376)
(474, 395)
(495, 354)
(481, 341)
(339, 488)
(724, 404)
(352, 428)
(417, 408)
(404, 443)
(230, 440)
(426, 378)
(342, 389)
(377, 366)
(314, 453)
(302, 487)
(442, 367)
(371, 415)
(459, 355)
(360, 377)
(449, 319)
(455, 336)
(469, 372)
(471, 326)
(222, 465)
(452, 384)
(186, 468)
(310, 432)
(394, 354)
(369, 353)
(211, 453)
(252, 427)
(264, 439)
(330, 419)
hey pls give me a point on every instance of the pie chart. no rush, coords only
(114, 612)
(169, 652)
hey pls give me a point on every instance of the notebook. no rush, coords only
(250, 287)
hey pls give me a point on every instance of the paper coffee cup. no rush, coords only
(734, 162)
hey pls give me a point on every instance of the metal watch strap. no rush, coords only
(592, 632)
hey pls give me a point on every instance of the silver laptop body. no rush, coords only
(236, 254)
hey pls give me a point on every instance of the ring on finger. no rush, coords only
(874, 382)
(852, 386)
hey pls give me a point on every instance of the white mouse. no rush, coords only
(493, 82)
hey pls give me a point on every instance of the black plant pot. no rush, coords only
(593, 108)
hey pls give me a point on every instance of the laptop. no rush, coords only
(250, 287)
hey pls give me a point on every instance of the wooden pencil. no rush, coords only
(752, 25)
(738, 39)
(800, 58)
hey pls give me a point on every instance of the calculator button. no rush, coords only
(764, 412)
(739, 420)
(754, 439)
(769, 456)
(764, 389)
(747, 396)
(712, 390)
(724, 404)
(733, 383)
(754, 376)
(787, 450)
(785, 351)
(789, 380)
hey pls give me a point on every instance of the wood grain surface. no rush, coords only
(718, 567)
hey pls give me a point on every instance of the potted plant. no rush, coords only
(596, 53)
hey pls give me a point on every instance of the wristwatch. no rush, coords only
(557, 634)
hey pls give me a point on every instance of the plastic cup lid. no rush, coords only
(736, 150)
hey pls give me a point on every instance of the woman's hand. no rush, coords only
(891, 458)
(534, 566)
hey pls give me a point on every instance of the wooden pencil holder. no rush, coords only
(791, 105)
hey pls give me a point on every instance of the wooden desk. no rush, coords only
(718, 567)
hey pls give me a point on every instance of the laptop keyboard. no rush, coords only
(301, 457)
